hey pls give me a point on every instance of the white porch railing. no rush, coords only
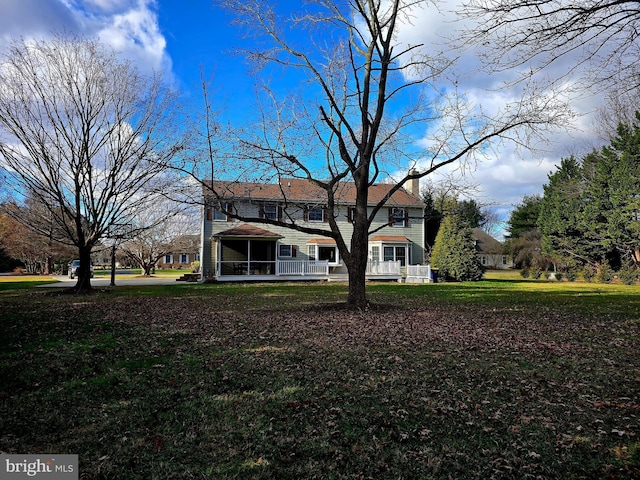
(384, 268)
(420, 271)
(300, 267)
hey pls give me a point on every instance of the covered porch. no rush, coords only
(250, 253)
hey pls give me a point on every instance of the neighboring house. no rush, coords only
(236, 250)
(491, 251)
(185, 250)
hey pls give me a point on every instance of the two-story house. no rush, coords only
(244, 250)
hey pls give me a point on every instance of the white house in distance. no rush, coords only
(491, 251)
(234, 250)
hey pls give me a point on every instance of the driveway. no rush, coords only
(121, 280)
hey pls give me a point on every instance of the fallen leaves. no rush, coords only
(411, 388)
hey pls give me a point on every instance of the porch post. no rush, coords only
(249, 257)
(218, 262)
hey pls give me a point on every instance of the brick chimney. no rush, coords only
(413, 185)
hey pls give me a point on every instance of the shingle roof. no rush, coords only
(485, 243)
(246, 230)
(300, 190)
(389, 238)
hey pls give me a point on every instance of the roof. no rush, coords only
(486, 243)
(389, 239)
(303, 191)
(322, 241)
(245, 230)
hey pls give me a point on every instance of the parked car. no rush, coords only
(73, 269)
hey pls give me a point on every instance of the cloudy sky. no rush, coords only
(179, 36)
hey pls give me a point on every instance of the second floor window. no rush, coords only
(398, 217)
(270, 211)
(315, 214)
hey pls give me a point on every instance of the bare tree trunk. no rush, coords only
(357, 269)
(358, 256)
(84, 271)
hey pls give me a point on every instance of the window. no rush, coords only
(324, 253)
(285, 251)
(168, 259)
(184, 258)
(398, 217)
(350, 214)
(330, 254)
(270, 211)
(216, 213)
(315, 214)
(483, 259)
(398, 254)
(504, 260)
(196, 257)
(375, 253)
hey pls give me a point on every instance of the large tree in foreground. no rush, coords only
(346, 104)
(84, 134)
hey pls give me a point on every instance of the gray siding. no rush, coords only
(414, 231)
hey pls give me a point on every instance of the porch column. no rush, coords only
(218, 263)
(248, 257)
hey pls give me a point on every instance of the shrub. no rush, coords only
(559, 276)
(536, 273)
(588, 272)
(605, 274)
(195, 267)
(571, 274)
(628, 274)
(525, 272)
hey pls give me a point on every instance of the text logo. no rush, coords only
(49, 467)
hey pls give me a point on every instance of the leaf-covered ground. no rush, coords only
(479, 381)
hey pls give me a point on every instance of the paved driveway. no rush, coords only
(121, 280)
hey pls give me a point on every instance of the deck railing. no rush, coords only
(384, 268)
(419, 271)
(301, 267)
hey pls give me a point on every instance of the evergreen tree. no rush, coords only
(524, 217)
(560, 210)
(454, 253)
(590, 211)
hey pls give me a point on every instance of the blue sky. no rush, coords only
(177, 37)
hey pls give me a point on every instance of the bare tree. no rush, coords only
(619, 108)
(363, 97)
(85, 134)
(600, 37)
(36, 251)
(172, 230)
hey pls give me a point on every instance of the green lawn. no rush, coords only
(503, 378)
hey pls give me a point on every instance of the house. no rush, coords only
(491, 251)
(245, 250)
(185, 249)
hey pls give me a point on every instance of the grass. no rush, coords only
(492, 379)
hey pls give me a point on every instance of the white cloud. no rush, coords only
(135, 33)
(507, 173)
(129, 26)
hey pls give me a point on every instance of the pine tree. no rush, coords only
(454, 253)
